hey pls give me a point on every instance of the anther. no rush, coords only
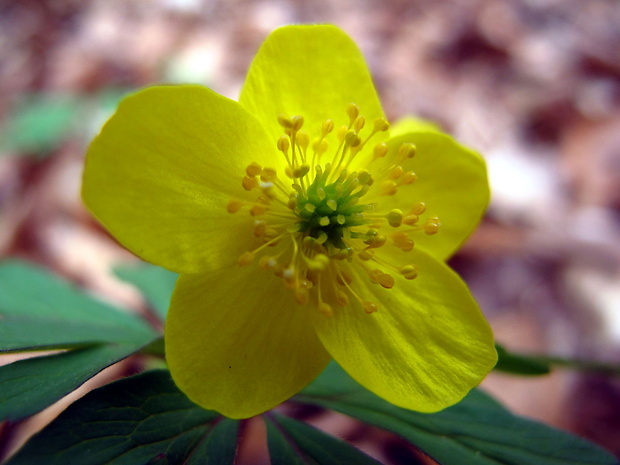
(431, 226)
(381, 125)
(283, 144)
(387, 281)
(369, 307)
(353, 111)
(253, 169)
(233, 205)
(407, 150)
(249, 183)
(396, 172)
(389, 188)
(360, 121)
(418, 208)
(285, 122)
(409, 178)
(327, 127)
(303, 139)
(297, 122)
(325, 309)
(246, 258)
(380, 150)
(409, 271)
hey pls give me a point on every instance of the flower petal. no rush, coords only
(314, 71)
(160, 173)
(236, 341)
(410, 124)
(425, 347)
(451, 181)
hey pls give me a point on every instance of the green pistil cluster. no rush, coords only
(327, 211)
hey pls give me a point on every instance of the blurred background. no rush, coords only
(534, 85)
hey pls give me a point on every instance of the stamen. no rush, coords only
(323, 213)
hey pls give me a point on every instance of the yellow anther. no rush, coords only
(253, 169)
(233, 205)
(376, 241)
(410, 220)
(283, 144)
(303, 139)
(324, 220)
(246, 258)
(364, 255)
(302, 296)
(342, 298)
(327, 127)
(342, 132)
(381, 124)
(268, 174)
(320, 192)
(285, 122)
(292, 202)
(352, 139)
(289, 171)
(309, 207)
(353, 111)
(249, 183)
(409, 178)
(360, 121)
(387, 281)
(322, 147)
(375, 276)
(396, 172)
(297, 122)
(340, 219)
(389, 188)
(380, 150)
(301, 171)
(257, 210)
(260, 228)
(395, 218)
(409, 271)
(266, 262)
(418, 208)
(431, 226)
(325, 309)
(369, 307)
(406, 150)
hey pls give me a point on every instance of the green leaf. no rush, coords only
(295, 443)
(476, 431)
(38, 123)
(28, 386)
(144, 419)
(39, 311)
(519, 364)
(155, 283)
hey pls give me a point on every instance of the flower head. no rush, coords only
(303, 228)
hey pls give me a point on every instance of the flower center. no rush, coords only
(315, 218)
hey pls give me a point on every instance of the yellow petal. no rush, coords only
(314, 71)
(424, 348)
(160, 173)
(451, 181)
(410, 124)
(236, 341)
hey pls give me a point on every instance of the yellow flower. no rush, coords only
(291, 217)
